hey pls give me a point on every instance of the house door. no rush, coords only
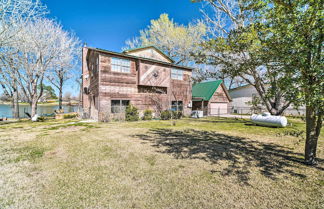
(218, 108)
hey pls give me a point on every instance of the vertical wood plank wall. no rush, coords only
(106, 85)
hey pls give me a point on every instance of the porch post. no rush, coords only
(202, 106)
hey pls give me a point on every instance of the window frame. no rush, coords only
(119, 65)
(177, 74)
(119, 107)
(178, 105)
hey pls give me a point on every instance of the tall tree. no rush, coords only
(293, 35)
(13, 16)
(64, 68)
(8, 82)
(237, 54)
(177, 41)
(37, 51)
(220, 17)
(13, 13)
(284, 41)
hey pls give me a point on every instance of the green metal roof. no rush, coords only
(205, 91)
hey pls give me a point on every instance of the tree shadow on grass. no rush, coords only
(241, 154)
(219, 120)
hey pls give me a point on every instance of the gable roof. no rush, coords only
(147, 47)
(139, 58)
(204, 91)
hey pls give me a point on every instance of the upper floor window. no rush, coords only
(177, 74)
(120, 65)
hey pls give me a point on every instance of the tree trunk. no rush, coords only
(15, 109)
(60, 97)
(274, 107)
(33, 106)
(313, 129)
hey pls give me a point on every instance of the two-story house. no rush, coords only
(144, 77)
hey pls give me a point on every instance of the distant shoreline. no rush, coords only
(74, 103)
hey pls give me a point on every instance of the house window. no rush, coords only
(177, 74)
(120, 65)
(119, 106)
(176, 105)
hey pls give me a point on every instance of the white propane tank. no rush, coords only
(266, 119)
(197, 114)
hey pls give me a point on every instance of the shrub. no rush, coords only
(176, 114)
(41, 119)
(70, 115)
(131, 113)
(147, 115)
(166, 115)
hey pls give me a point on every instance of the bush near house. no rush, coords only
(131, 113)
(166, 115)
(177, 114)
(147, 115)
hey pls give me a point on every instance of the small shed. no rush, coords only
(211, 97)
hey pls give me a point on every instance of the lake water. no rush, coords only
(6, 111)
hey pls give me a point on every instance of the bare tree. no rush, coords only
(13, 13)
(220, 17)
(223, 16)
(67, 96)
(5, 97)
(65, 63)
(238, 59)
(37, 51)
(8, 81)
(13, 16)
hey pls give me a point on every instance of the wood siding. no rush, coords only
(219, 97)
(108, 85)
(151, 74)
(149, 53)
(90, 80)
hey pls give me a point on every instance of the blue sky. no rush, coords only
(109, 23)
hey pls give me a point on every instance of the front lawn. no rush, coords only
(190, 163)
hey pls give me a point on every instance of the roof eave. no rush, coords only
(226, 92)
(197, 99)
(157, 49)
(140, 58)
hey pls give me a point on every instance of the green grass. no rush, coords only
(205, 163)
(29, 153)
(71, 124)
